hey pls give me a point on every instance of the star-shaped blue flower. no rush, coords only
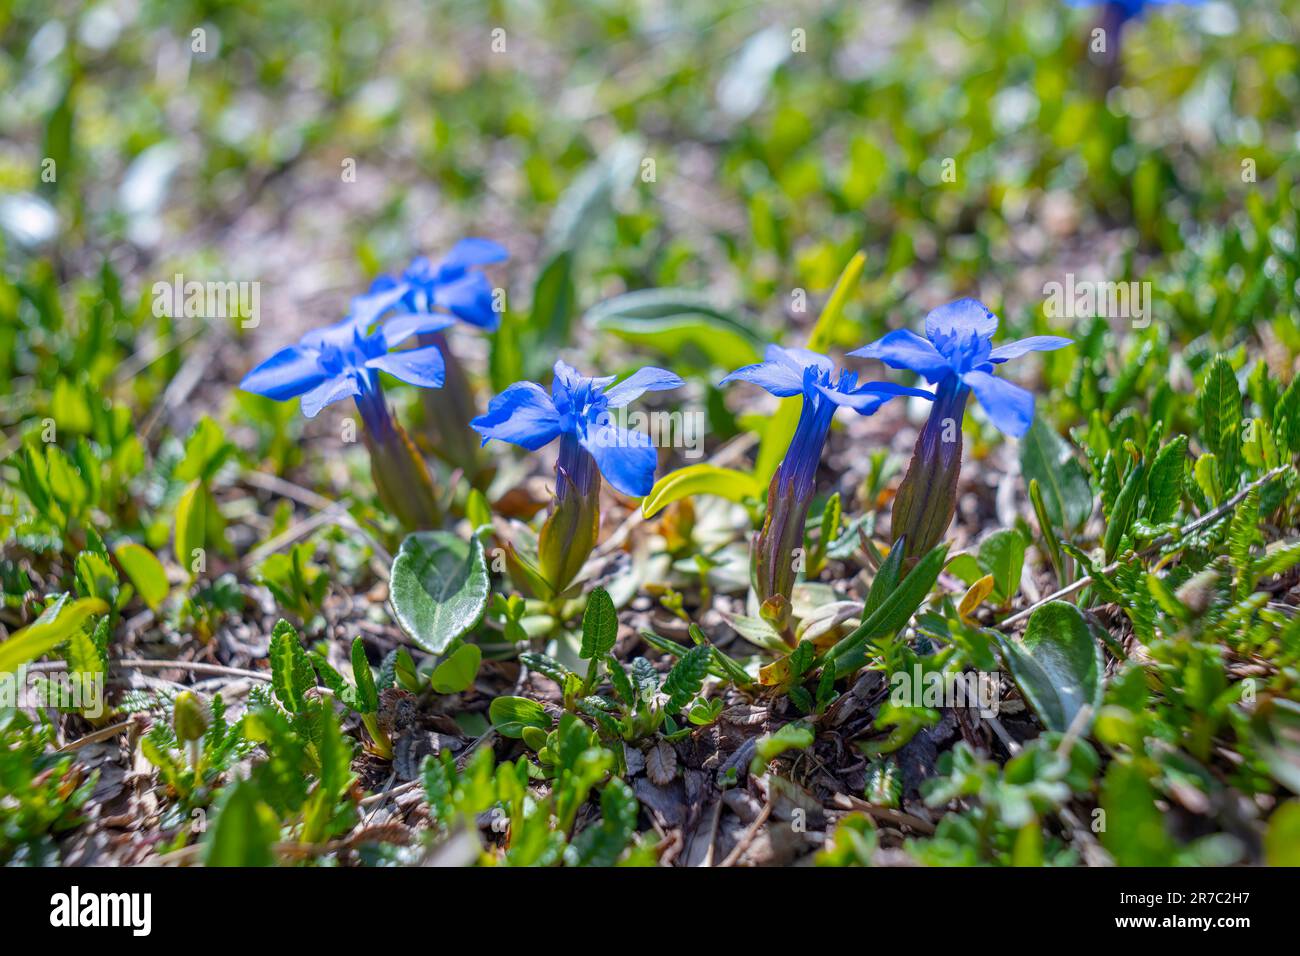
(453, 285)
(789, 372)
(344, 360)
(577, 411)
(957, 352)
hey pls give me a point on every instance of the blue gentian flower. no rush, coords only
(454, 285)
(957, 354)
(577, 412)
(1128, 9)
(344, 361)
(786, 373)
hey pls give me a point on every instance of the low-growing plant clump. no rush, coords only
(556, 549)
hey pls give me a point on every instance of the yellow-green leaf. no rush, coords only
(191, 525)
(54, 626)
(975, 596)
(145, 571)
(701, 479)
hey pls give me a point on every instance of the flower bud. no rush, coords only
(402, 478)
(571, 528)
(190, 716)
(927, 496)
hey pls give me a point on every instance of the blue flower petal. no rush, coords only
(903, 348)
(960, 317)
(869, 396)
(473, 252)
(523, 414)
(340, 335)
(1009, 407)
(423, 367)
(626, 458)
(401, 327)
(777, 377)
(469, 298)
(342, 386)
(367, 308)
(1035, 343)
(648, 379)
(286, 374)
(798, 359)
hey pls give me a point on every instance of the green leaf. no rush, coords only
(510, 715)
(1002, 554)
(1243, 533)
(770, 746)
(56, 624)
(587, 199)
(553, 304)
(896, 609)
(1282, 841)
(367, 697)
(599, 625)
(145, 571)
(96, 576)
(1120, 520)
(687, 677)
(439, 587)
(886, 579)
(1165, 481)
(676, 322)
(1057, 665)
(1287, 416)
(458, 671)
(244, 830)
(700, 479)
(206, 450)
(1134, 833)
(1049, 459)
(478, 511)
(602, 844)
(1219, 405)
(191, 525)
(291, 671)
(619, 680)
(779, 431)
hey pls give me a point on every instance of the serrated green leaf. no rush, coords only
(599, 625)
(291, 672)
(686, 678)
(1165, 481)
(1220, 406)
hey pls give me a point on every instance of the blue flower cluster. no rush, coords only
(956, 356)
